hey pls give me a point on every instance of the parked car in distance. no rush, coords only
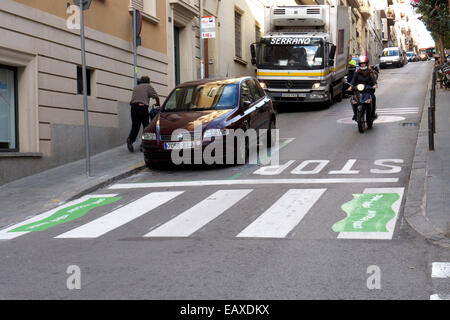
(392, 56)
(219, 105)
(412, 57)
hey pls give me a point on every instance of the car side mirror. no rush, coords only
(246, 104)
(332, 52)
(253, 53)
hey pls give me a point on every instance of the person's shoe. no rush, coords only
(141, 149)
(130, 145)
(375, 116)
(354, 117)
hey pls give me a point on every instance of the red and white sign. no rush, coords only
(208, 27)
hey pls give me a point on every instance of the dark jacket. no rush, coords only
(366, 77)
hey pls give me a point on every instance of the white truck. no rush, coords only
(303, 55)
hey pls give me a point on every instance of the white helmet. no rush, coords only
(363, 62)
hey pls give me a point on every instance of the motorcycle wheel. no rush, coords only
(369, 120)
(360, 120)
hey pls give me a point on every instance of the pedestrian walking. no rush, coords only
(139, 108)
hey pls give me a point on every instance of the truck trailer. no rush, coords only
(303, 55)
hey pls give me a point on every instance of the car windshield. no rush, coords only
(209, 96)
(291, 56)
(390, 53)
(410, 54)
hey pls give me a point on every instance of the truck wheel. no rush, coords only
(340, 95)
(329, 102)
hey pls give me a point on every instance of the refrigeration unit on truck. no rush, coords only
(303, 55)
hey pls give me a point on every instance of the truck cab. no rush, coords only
(303, 55)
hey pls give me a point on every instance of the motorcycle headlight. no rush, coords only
(263, 85)
(149, 136)
(360, 87)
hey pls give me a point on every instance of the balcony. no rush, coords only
(188, 5)
(364, 9)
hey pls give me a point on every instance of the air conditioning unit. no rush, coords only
(298, 16)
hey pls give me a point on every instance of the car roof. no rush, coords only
(213, 80)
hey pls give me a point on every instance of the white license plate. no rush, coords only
(179, 145)
(293, 95)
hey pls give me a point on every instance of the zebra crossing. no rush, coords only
(440, 272)
(277, 220)
(380, 111)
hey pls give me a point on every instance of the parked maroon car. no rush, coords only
(220, 106)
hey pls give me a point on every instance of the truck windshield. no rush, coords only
(291, 56)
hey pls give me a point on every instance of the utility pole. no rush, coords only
(84, 5)
(202, 49)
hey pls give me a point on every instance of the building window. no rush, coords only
(8, 109)
(80, 81)
(150, 7)
(238, 34)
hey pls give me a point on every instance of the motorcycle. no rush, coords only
(444, 73)
(362, 100)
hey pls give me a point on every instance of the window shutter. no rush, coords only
(237, 34)
(137, 4)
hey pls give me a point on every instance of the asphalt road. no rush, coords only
(246, 232)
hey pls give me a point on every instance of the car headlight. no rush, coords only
(149, 136)
(316, 85)
(263, 85)
(360, 87)
(215, 133)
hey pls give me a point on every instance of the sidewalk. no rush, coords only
(427, 207)
(46, 190)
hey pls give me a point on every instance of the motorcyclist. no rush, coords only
(365, 75)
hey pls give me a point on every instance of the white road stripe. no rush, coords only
(273, 170)
(250, 182)
(6, 235)
(439, 297)
(199, 215)
(390, 226)
(440, 270)
(121, 216)
(283, 215)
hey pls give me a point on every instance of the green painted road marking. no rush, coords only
(67, 214)
(237, 175)
(367, 212)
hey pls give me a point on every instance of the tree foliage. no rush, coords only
(435, 15)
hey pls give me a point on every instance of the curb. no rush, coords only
(103, 183)
(416, 199)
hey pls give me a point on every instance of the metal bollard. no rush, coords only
(430, 130)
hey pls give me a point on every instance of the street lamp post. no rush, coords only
(84, 5)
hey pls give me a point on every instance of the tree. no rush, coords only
(435, 15)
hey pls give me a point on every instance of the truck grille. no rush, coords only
(313, 11)
(279, 11)
(289, 84)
